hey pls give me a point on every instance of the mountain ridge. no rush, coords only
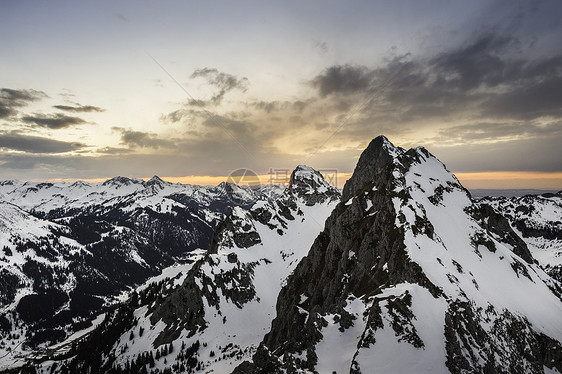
(78, 248)
(405, 273)
(401, 273)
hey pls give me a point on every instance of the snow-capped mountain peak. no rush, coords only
(121, 181)
(309, 184)
(156, 181)
(405, 274)
(410, 275)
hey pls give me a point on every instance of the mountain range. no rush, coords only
(401, 272)
(70, 251)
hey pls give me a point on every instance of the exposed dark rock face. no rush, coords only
(366, 250)
(75, 248)
(538, 219)
(240, 274)
(371, 165)
(498, 226)
(407, 274)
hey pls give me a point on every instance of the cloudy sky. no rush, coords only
(192, 90)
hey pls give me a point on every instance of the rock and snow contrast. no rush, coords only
(409, 275)
(537, 219)
(214, 317)
(69, 251)
(400, 273)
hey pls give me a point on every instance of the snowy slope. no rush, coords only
(215, 316)
(34, 261)
(406, 274)
(126, 193)
(68, 251)
(538, 220)
(410, 276)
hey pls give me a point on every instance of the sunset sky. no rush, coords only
(192, 90)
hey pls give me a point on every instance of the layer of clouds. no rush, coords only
(135, 139)
(11, 100)
(273, 106)
(114, 150)
(221, 81)
(79, 108)
(34, 144)
(540, 154)
(53, 121)
(491, 132)
(490, 91)
(488, 104)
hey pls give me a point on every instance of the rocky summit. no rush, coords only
(409, 275)
(401, 272)
(215, 315)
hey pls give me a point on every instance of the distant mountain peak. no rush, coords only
(119, 180)
(9, 182)
(306, 175)
(225, 184)
(79, 183)
(309, 183)
(155, 181)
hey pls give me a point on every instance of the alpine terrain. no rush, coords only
(69, 251)
(215, 316)
(537, 219)
(410, 275)
(401, 272)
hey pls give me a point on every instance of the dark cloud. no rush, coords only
(34, 144)
(489, 77)
(477, 63)
(53, 121)
(79, 108)
(11, 100)
(527, 102)
(321, 46)
(222, 81)
(122, 18)
(266, 106)
(271, 106)
(175, 116)
(487, 132)
(343, 79)
(141, 139)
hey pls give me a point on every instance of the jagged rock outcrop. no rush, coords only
(70, 251)
(537, 219)
(224, 304)
(408, 276)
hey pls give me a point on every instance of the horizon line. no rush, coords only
(471, 180)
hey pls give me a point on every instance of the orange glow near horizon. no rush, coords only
(263, 179)
(511, 180)
(485, 180)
